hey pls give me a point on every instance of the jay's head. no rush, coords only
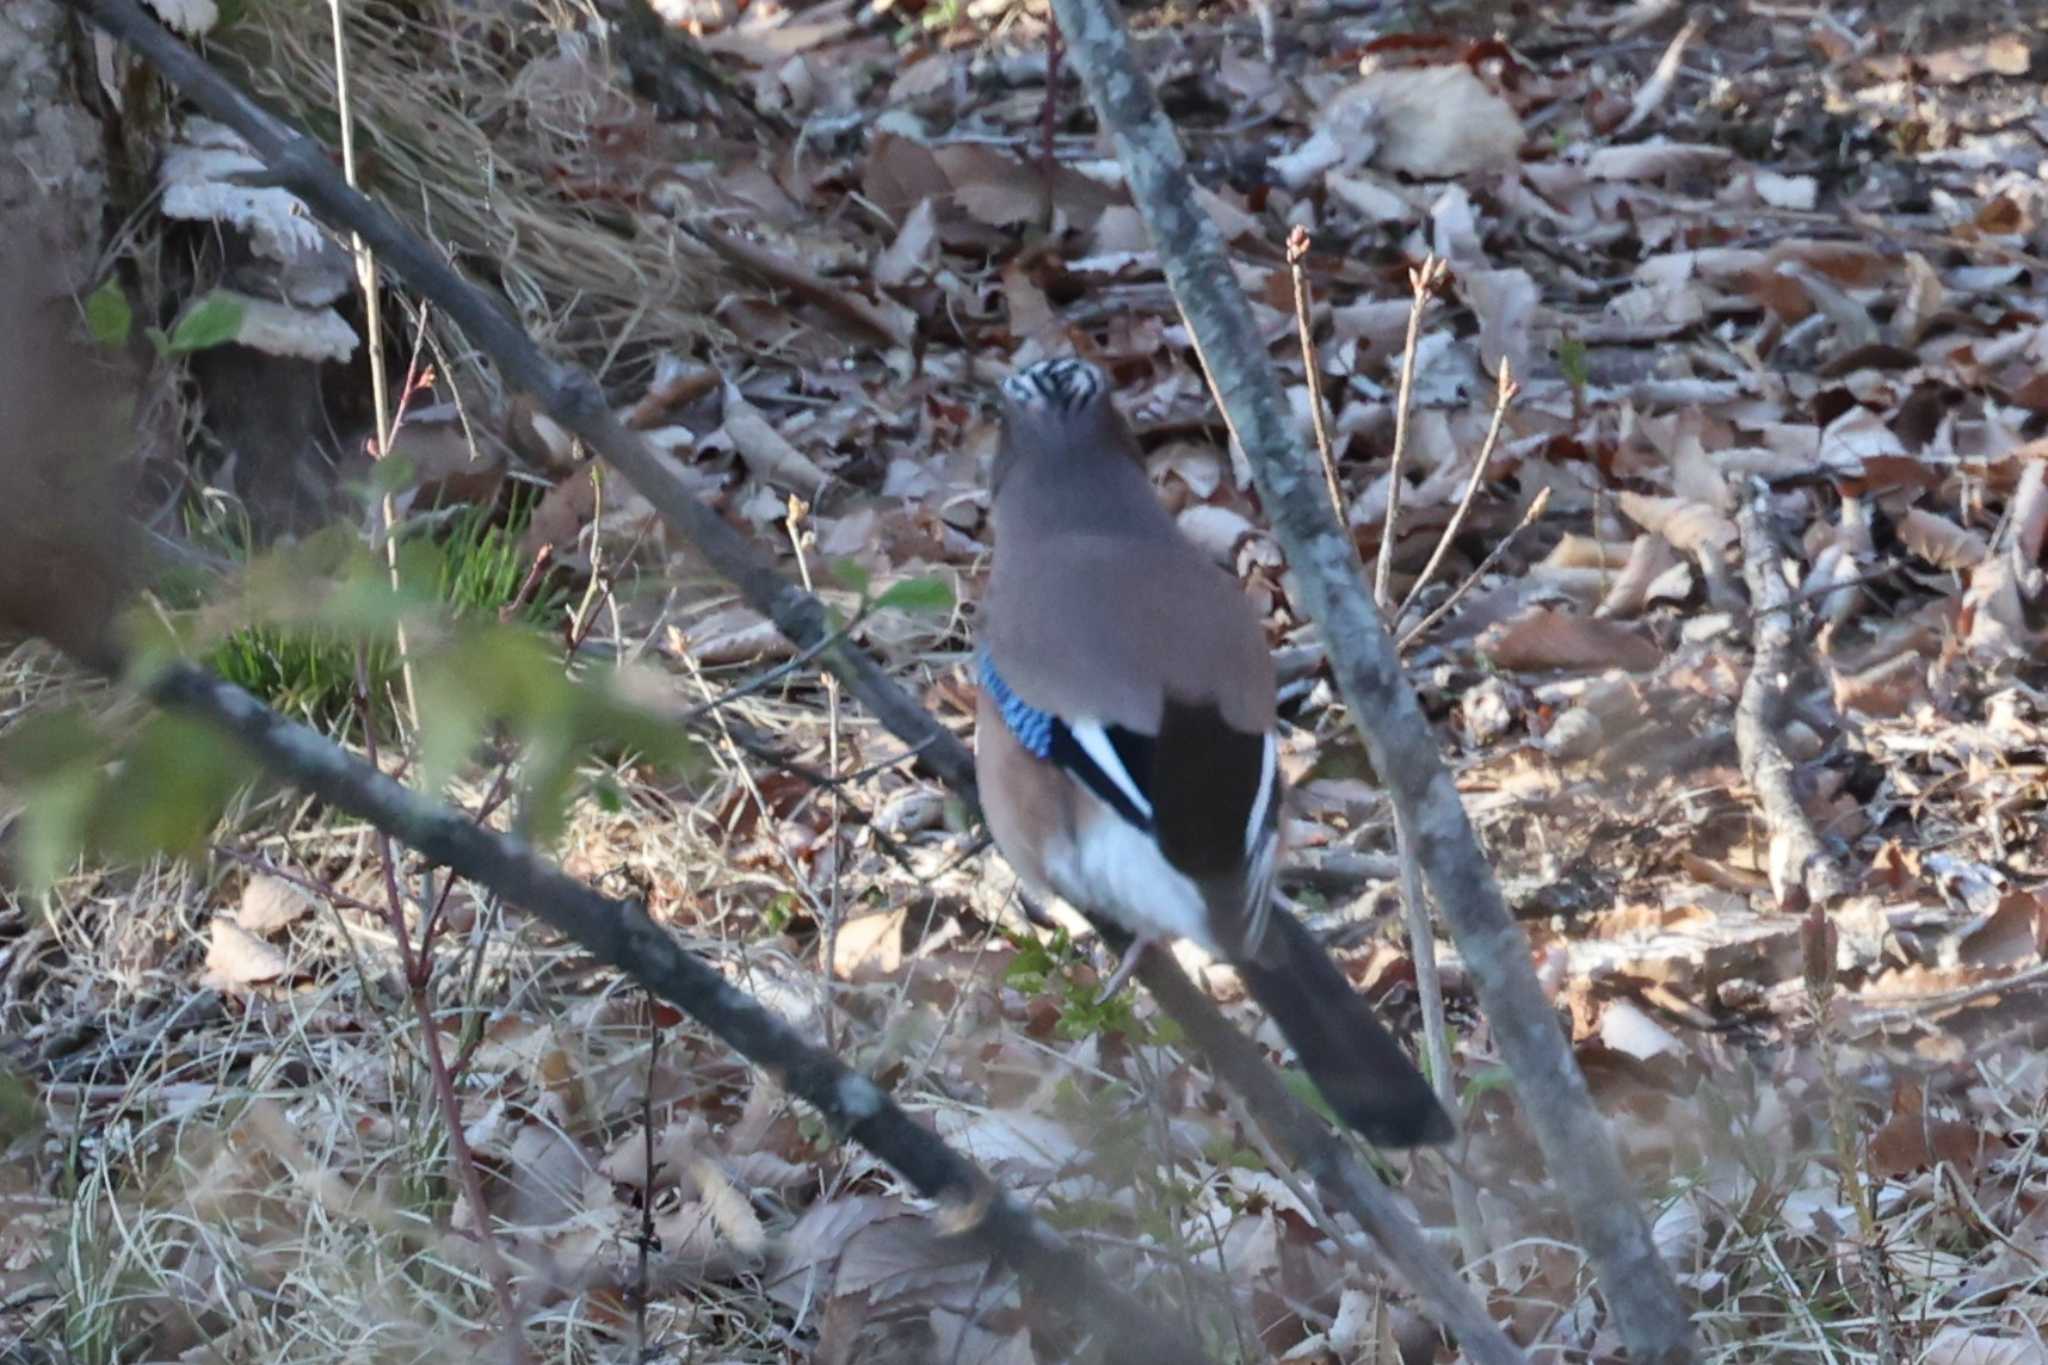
(1060, 410)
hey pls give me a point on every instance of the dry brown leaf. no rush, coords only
(916, 246)
(900, 174)
(1655, 160)
(729, 1207)
(1883, 690)
(1012, 1139)
(236, 957)
(992, 185)
(1940, 541)
(1438, 122)
(1649, 557)
(270, 903)
(1032, 316)
(1965, 1346)
(545, 1178)
(1995, 610)
(1627, 1029)
(902, 1258)
(963, 1338)
(2013, 934)
(869, 947)
(1689, 526)
(767, 453)
(1912, 1140)
(1541, 638)
(1217, 530)
(1574, 551)
(736, 635)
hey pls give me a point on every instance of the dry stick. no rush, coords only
(1297, 253)
(1424, 280)
(1536, 509)
(571, 397)
(1577, 1147)
(1504, 396)
(1436, 1034)
(1817, 942)
(373, 328)
(639, 1293)
(1797, 860)
(1421, 932)
(299, 163)
(620, 934)
(419, 976)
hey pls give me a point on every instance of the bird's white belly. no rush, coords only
(1109, 867)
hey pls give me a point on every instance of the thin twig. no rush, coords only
(639, 1293)
(373, 328)
(1297, 255)
(1424, 279)
(1503, 397)
(584, 617)
(1436, 1036)
(419, 981)
(1049, 113)
(1536, 509)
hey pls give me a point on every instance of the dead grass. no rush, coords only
(488, 147)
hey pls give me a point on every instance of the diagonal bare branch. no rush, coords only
(1575, 1141)
(621, 934)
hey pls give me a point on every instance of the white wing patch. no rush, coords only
(1116, 869)
(1094, 742)
(1258, 890)
(1262, 804)
(1262, 845)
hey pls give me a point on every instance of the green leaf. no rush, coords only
(21, 1113)
(44, 746)
(393, 473)
(851, 575)
(108, 316)
(1304, 1089)
(211, 321)
(54, 824)
(1571, 358)
(1492, 1078)
(486, 675)
(174, 781)
(933, 593)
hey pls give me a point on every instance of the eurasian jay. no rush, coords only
(1125, 738)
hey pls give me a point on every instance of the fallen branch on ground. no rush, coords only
(1802, 870)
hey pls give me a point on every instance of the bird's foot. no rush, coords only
(1121, 977)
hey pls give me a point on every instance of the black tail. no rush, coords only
(1347, 1052)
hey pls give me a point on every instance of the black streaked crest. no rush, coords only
(1064, 386)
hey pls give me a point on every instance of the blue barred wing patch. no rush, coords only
(1032, 727)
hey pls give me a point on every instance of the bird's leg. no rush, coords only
(1121, 977)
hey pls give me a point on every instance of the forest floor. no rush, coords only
(1796, 244)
